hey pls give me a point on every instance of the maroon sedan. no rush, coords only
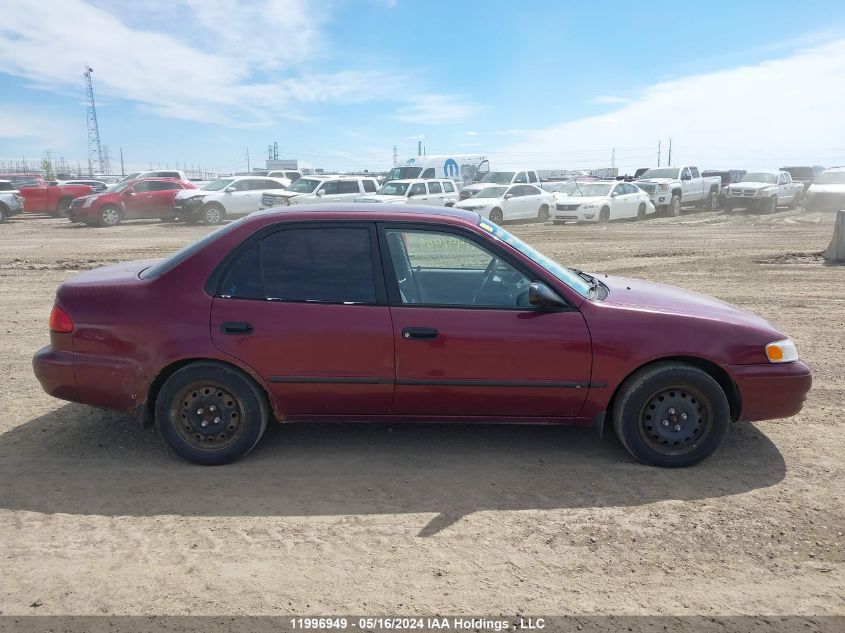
(332, 313)
(130, 200)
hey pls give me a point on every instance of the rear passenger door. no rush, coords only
(435, 193)
(161, 195)
(348, 190)
(304, 306)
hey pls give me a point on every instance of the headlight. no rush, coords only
(592, 205)
(88, 202)
(663, 187)
(782, 352)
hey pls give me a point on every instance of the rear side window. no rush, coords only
(532, 177)
(331, 265)
(448, 187)
(434, 187)
(370, 186)
(348, 186)
(6, 186)
(329, 187)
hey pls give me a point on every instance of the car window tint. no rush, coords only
(348, 186)
(521, 177)
(142, 187)
(417, 189)
(319, 264)
(448, 187)
(695, 173)
(243, 279)
(370, 186)
(329, 187)
(434, 187)
(443, 269)
(240, 185)
(271, 184)
(532, 177)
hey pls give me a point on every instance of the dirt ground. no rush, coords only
(97, 517)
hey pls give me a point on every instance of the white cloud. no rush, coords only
(786, 110)
(470, 133)
(609, 100)
(435, 109)
(39, 128)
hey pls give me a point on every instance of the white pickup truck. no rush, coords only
(764, 190)
(671, 187)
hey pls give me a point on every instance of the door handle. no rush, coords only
(419, 333)
(236, 327)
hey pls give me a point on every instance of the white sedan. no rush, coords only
(500, 203)
(602, 202)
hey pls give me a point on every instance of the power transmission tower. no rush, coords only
(670, 152)
(95, 150)
(106, 160)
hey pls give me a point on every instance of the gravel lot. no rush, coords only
(98, 518)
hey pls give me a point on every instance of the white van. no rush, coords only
(462, 169)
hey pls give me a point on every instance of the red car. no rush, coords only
(129, 200)
(39, 197)
(334, 313)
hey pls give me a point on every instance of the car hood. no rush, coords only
(751, 185)
(651, 296)
(377, 198)
(658, 181)
(474, 203)
(478, 186)
(816, 188)
(571, 199)
(192, 193)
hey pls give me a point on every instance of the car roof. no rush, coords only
(416, 180)
(373, 212)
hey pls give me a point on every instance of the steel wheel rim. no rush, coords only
(675, 420)
(207, 416)
(110, 217)
(497, 217)
(212, 215)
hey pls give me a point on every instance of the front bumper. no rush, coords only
(15, 207)
(54, 370)
(771, 391)
(573, 213)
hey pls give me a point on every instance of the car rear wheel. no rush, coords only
(711, 203)
(604, 215)
(210, 413)
(543, 213)
(671, 415)
(110, 216)
(62, 207)
(496, 216)
(641, 211)
(3, 213)
(213, 214)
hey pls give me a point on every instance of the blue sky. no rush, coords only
(339, 83)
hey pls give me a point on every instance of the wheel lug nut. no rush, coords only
(665, 422)
(217, 420)
(677, 427)
(683, 416)
(671, 411)
(211, 408)
(199, 411)
(204, 423)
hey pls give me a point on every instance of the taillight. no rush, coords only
(60, 321)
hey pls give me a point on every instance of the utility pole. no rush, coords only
(395, 155)
(613, 158)
(122, 173)
(419, 147)
(658, 153)
(670, 152)
(275, 150)
(247, 160)
(95, 151)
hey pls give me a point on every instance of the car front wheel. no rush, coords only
(213, 214)
(671, 415)
(210, 413)
(496, 216)
(110, 216)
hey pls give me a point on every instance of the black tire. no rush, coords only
(62, 207)
(543, 213)
(711, 203)
(213, 213)
(641, 211)
(604, 215)
(772, 206)
(674, 208)
(4, 213)
(692, 407)
(796, 200)
(210, 413)
(110, 215)
(496, 216)
(728, 207)
(168, 219)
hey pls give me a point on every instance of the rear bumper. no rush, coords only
(54, 370)
(772, 391)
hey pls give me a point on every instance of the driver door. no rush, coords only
(467, 342)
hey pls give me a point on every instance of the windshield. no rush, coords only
(393, 189)
(799, 172)
(559, 187)
(168, 263)
(831, 178)
(499, 177)
(218, 185)
(665, 172)
(590, 189)
(760, 176)
(304, 185)
(491, 192)
(404, 173)
(576, 282)
(131, 176)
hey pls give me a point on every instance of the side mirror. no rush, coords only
(541, 296)
(614, 194)
(229, 189)
(321, 192)
(508, 196)
(128, 192)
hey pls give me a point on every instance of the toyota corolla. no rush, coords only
(332, 313)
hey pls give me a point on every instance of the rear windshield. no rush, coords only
(169, 263)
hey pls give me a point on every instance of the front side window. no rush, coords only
(532, 177)
(434, 187)
(521, 177)
(218, 185)
(448, 187)
(435, 268)
(142, 187)
(695, 173)
(329, 187)
(329, 265)
(369, 186)
(163, 185)
(417, 189)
